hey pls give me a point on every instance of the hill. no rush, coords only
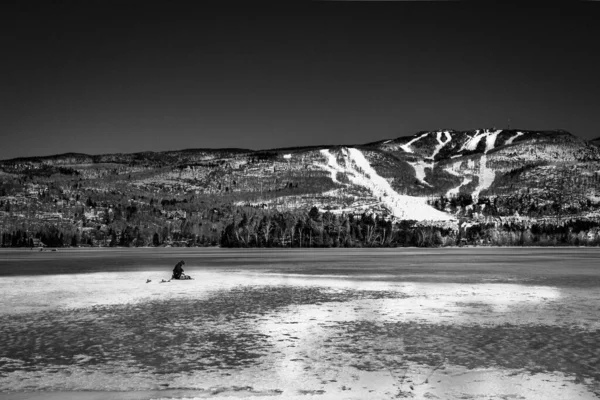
(443, 179)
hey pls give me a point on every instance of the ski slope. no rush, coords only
(332, 165)
(441, 143)
(406, 147)
(511, 139)
(360, 173)
(454, 191)
(485, 175)
(419, 167)
(473, 141)
(490, 140)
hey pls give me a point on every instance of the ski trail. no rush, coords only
(441, 144)
(510, 140)
(456, 190)
(332, 165)
(419, 168)
(452, 172)
(361, 173)
(466, 180)
(486, 177)
(490, 140)
(471, 143)
(408, 149)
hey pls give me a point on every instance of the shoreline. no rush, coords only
(283, 249)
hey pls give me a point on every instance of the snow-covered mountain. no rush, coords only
(411, 177)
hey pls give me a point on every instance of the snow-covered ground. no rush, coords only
(359, 171)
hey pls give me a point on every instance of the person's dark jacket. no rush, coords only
(178, 270)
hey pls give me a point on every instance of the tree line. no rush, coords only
(313, 229)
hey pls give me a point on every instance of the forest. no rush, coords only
(255, 227)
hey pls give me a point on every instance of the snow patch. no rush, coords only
(406, 147)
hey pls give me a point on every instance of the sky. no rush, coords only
(120, 77)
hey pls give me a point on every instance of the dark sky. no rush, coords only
(102, 77)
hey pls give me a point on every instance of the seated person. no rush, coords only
(178, 270)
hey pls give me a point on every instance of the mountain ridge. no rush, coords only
(242, 150)
(441, 178)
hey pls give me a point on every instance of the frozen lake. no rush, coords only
(491, 323)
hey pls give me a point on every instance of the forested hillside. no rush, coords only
(445, 187)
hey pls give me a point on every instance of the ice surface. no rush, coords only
(313, 349)
(302, 363)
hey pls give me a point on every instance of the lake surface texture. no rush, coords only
(476, 323)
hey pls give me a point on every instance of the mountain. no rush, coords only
(435, 177)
